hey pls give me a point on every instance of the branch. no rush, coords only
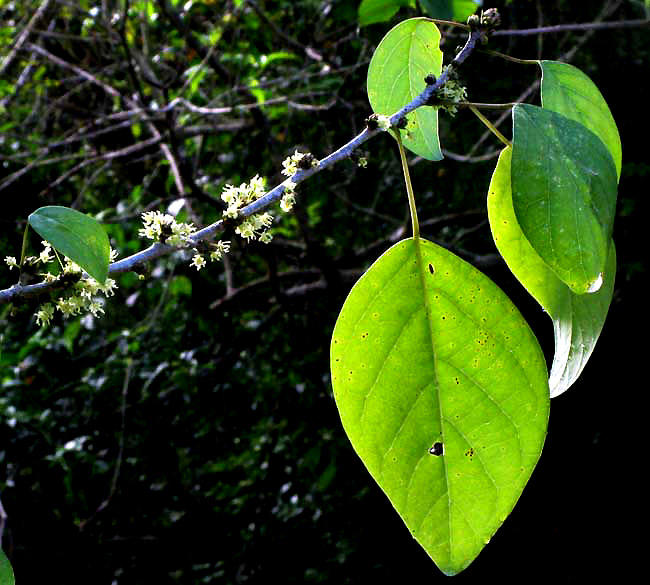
(23, 36)
(558, 28)
(208, 233)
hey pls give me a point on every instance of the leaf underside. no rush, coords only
(428, 352)
(577, 319)
(76, 235)
(405, 56)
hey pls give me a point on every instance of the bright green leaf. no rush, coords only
(577, 319)
(373, 11)
(568, 91)
(564, 194)
(428, 350)
(80, 237)
(6, 572)
(405, 56)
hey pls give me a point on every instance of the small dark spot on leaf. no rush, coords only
(436, 449)
(431, 270)
(469, 452)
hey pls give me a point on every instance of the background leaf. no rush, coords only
(428, 350)
(6, 572)
(563, 194)
(405, 56)
(80, 237)
(457, 10)
(373, 11)
(577, 319)
(568, 91)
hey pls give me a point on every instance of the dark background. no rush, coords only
(213, 452)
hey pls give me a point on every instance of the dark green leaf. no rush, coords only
(563, 194)
(373, 11)
(76, 235)
(457, 10)
(577, 319)
(568, 91)
(428, 354)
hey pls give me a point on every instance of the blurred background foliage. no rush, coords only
(190, 434)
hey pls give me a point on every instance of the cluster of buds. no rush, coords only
(375, 121)
(82, 295)
(450, 93)
(487, 22)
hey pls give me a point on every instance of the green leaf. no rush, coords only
(563, 194)
(577, 319)
(6, 572)
(80, 237)
(457, 10)
(568, 91)
(428, 350)
(405, 56)
(373, 11)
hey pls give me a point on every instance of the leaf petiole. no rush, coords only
(409, 187)
(490, 126)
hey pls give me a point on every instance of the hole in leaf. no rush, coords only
(431, 269)
(436, 449)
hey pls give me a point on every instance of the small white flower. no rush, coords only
(95, 307)
(11, 262)
(198, 261)
(221, 248)
(266, 237)
(288, 201)
(44, 314)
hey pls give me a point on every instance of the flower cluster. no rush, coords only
(44, 257)
(82, 297)
(288, 197)
(298, 161)
(163, 228)
(217, 253)
(256, 227)
(238, 197)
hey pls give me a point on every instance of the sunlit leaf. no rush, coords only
(442, 390)
(577, 319)
(563, 194)
(405, 56)
(76, 235)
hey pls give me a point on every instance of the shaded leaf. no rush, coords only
(6, 572)
(577, 319)
(428, 354)
(405, 56)
(457, 10)
(373, 11)
(563, 194)
(80, 237)
(568, 91)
